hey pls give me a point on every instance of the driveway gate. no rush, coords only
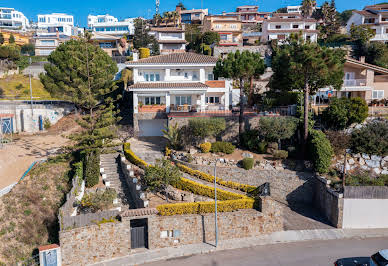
(139, 234)
(6, 125)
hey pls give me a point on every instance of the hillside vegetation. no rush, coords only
(28, 214)
(18, 87)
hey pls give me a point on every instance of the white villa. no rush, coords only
(175, 83)
(13, 19)
(171, 40)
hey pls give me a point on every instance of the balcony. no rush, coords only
(152, 108)
(354, 83)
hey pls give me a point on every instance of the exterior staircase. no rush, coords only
(114, 178)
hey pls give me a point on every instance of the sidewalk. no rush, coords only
(274, 238)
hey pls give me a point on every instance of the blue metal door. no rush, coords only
(40, 123)
(6, 125)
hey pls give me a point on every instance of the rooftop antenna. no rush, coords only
(157, 4)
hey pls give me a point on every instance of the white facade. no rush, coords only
(365, 213)
(12, 19)
(293, 9)
(110, 25)
(55, 19)
(45, 45)
(178, 87)
(169, 41)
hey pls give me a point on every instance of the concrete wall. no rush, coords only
(365, 213)
(27, 120)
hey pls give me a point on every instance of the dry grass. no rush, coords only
(18, 87)
(28, 214)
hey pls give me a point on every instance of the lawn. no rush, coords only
(28, 214)
(18, 87)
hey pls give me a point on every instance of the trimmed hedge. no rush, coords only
(205, 147)
(248, 163)
(222, 146)
(132, 157)
(91, 167)
(210, 178)
(320, 151)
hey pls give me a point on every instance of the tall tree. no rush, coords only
(361, 35)
(345, 16)
(308, 7)
(307, 67)
(330, 23)
(80, 72)
(141, 37)
(181, 5)
(242, 67)
(11, 39)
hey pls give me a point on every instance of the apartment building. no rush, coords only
(367, 81)
(376, 17)
(110, 25)
(55, 19)
(229, 28)
(180, 83)
(250, 14)
(171, 40)
(46, 44)
(13, 19)
(192, 16)
(294, 9)
(281, 25)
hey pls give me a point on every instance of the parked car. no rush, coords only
(378, 259)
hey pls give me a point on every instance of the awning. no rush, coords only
(151, 94)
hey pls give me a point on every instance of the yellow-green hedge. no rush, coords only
(132, 157)
(210, 178)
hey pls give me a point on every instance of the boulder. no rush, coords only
(351, 161)
(377, 171)
(365, 156)
(385, 158)
(193, 151)
(356, 155)
(384, 172)
(247, 155)
(372, 163)
(361, 161)
(376, 158)
(365, 167)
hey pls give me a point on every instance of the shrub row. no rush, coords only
(204, 207)
(210, 178)
(222, 146)
(320, 151)
(130, 156)
(91, 167)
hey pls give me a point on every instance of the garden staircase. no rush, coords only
(114, 178)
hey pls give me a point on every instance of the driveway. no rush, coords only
(149, 149)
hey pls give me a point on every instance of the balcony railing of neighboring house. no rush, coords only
(152, 108)
(354, 82)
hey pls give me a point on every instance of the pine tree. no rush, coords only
(11, 38)
(308, 7)
(241, 67)
(330, 22)
(81, 73)
(307, 67)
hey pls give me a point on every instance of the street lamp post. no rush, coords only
(215, 204)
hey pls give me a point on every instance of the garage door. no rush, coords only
(152, 128)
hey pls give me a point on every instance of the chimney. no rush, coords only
(362, 59)
(135, 57)
(57, 34)
(178, 9)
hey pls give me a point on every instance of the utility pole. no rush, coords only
(215, 202)
(32, 107)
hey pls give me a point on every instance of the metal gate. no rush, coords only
(6, 125)
(138, 237)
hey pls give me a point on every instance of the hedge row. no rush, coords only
(205, 207)
(133, 157)
(228, 201)
(210, 178)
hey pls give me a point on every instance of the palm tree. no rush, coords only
(308, 7)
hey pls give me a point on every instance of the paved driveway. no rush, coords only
(149, 149)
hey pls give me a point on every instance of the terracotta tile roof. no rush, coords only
(51, 246)
(278, 19)
(365, 13)
(377, 7)
(139, 212)
(378, 69)
(6, 115)
(215, 83)
(292, 30)
(169, 85)
(171, 41)
(177, 58)
(167, 29)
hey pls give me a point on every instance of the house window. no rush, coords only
(217, 26)
(378, 94)
(386, 30)
(152, 76)
(186, 75)
(369, 20)
(307, 27)
(213, 99)
(223, 37)
(308, 37)
(182, 100)
(151, 100)
(295, 26)
(233, 26)
(210, 76)
(278, 27)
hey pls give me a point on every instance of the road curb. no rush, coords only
(281, 237)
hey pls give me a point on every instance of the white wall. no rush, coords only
(365, 213)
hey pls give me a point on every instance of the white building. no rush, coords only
(376, 17)
(294, 9)
(180, 83)
(12, 19)
(46, 44)
(55, 19)
(110, 25)
(281, 25)
(171, 40)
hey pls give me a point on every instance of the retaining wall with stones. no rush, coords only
(377, 164)
(286, 185)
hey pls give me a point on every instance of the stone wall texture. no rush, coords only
(329, 202)
(286, 185)
(377, 164)
(95, 243)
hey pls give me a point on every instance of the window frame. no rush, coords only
(377, 94)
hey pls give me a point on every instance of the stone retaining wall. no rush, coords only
(377, 164)
(286, 186)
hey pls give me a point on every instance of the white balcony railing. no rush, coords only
(354, 82)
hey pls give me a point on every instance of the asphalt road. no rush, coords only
(310, 253)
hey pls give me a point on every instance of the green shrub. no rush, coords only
(364, 178)
(202, 128)
(46, 123)
(91, 167)
(78, 169)
(250, 139)
(248, 163)
(340, 141)
(342, 112)
(189, 158)
(262, 147)
(98, 201)
(224, 147)
(205, 147)
(274, 129)
(280, 154)
(320, 151)
(371, 139)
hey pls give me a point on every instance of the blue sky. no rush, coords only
(146, 8)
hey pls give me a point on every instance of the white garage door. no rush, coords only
(152, 128)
